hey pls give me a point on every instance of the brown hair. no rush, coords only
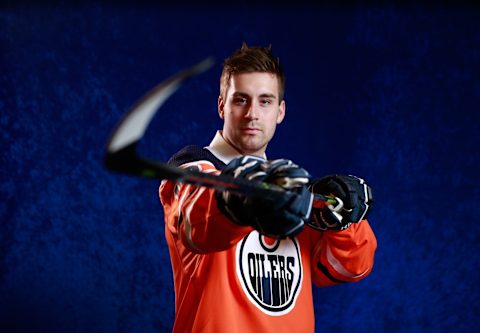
(252, 59)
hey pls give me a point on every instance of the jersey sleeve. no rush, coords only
(192, 215)
(343, 256)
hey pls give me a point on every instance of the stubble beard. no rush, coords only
(253, 144)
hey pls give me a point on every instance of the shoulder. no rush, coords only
(194, 153)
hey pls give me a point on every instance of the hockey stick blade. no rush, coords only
(134, 124)
(121, 150)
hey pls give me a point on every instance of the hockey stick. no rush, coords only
(121, 151)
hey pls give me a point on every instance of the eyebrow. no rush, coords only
(272, 96)
(241, 94)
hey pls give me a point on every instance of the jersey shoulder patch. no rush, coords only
(194, 153)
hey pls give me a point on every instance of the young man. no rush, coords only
(244, 264)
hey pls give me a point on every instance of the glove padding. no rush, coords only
(354, 201)
(280, 215)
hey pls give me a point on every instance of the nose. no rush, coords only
(252, 112)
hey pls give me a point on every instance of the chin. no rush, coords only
(257, 151)
(252, 147)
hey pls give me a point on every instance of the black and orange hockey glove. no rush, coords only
(282, 214)
(354, 201)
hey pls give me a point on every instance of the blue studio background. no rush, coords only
(389, 93)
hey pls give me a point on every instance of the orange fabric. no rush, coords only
(209, 254)
(348, 254)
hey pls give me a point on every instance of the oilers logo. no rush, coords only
(270, 272)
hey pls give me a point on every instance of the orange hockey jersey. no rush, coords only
(229, 278)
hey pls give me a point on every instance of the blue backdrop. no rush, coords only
(388, 93)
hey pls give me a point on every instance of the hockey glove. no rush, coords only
(232, 204)
(354, 201)
(280, 215)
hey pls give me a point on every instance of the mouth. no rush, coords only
(251, 130)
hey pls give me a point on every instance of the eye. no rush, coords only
(266, 102)
(240, 100)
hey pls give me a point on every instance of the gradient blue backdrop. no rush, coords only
(388, 93)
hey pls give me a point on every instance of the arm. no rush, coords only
(207, 221)
(343, 256)
(192, 215)
(345, 245)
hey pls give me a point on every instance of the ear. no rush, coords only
(221, 106)
(281, 111)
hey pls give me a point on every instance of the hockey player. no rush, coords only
(247, 264)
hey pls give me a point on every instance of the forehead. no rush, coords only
(253, 84)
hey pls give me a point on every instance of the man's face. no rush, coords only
(251, 111)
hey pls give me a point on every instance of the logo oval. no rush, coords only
(270, 272)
